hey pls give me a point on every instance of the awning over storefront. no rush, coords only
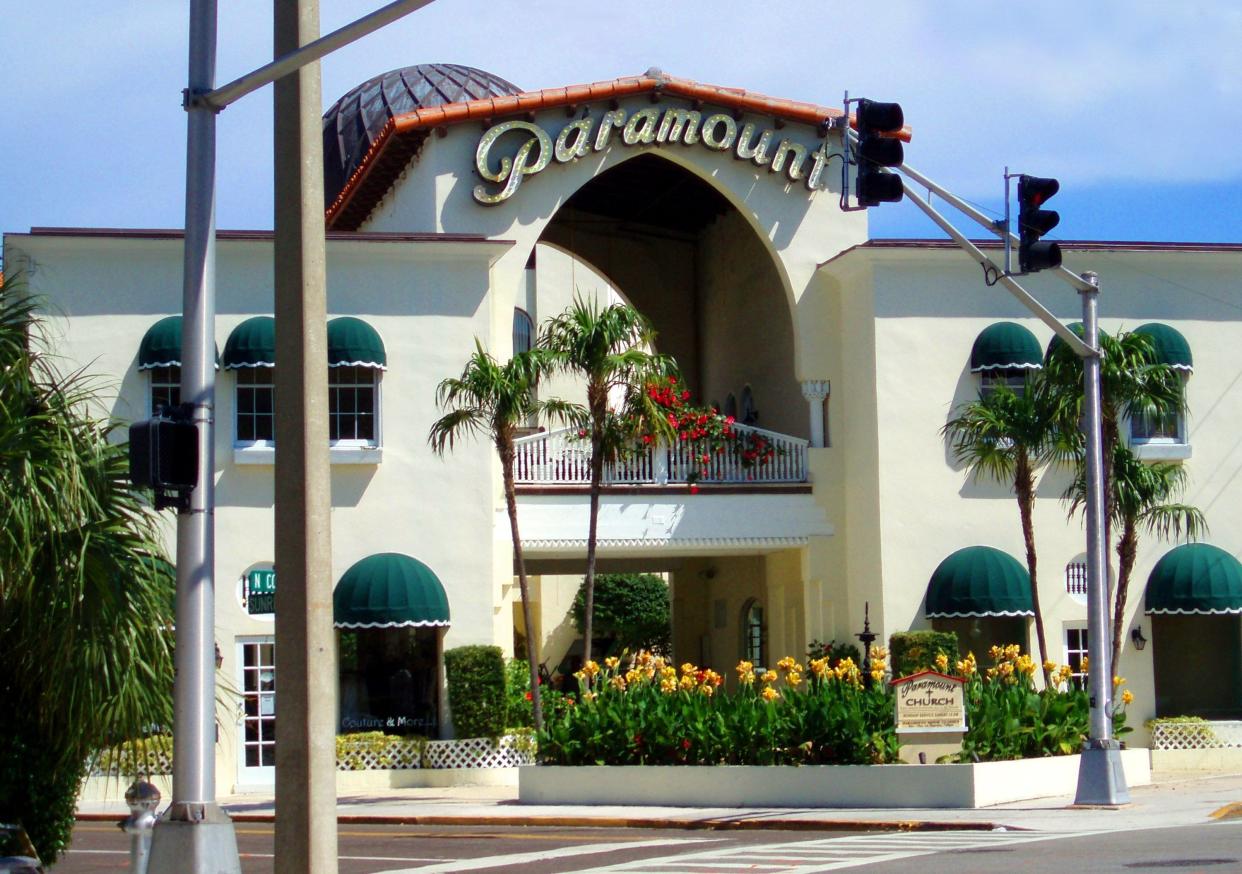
(979, 581)
(389, 590)
(354, 343)
(1005, 345)
(161, 344)
(1056, 342)
(1195, 578)
(252, 344)
(1170, 346)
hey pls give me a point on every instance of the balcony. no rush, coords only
(562, 457)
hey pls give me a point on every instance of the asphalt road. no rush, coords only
(371, 849)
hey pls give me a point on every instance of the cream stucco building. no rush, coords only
(461, 209)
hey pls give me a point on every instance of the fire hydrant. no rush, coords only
(142, 799)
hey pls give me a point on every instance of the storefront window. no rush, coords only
(389, 681)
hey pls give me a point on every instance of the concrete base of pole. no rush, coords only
(194, 839)
(1101, 780)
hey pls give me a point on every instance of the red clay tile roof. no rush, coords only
(402, 137)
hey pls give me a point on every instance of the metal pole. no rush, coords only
(306, 675)
(313, 51)
(1101, 779)
(195, 835)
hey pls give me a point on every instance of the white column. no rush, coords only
(816, 391)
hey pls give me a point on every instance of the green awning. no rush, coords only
(979, 581)
(1170, 346)
(252, 344)
(354, 343)
(389, 590)
(161, 344)
(1005, 345)
(1195, 578)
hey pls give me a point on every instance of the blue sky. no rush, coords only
(1132, 105)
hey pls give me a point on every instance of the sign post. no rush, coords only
(931, 715)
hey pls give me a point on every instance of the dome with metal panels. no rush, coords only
(354, 121)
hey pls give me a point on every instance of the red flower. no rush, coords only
(685, 744)
(685, 395)
(646, 438)
(694, 489)
(672, 380)
(529, 696)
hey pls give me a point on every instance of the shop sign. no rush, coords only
(658, 125)
(259, 591)
(930, 701)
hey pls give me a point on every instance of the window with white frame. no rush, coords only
(1166, 425)
(165, 385)
(1013, 378)
(753, 642)
(1076, 653)
(523, 331)
(256, 401)
(353, 395)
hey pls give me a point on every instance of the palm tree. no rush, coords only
(493, 400)
(1140, 498)
(85, 594)
(609, 348)
(1132, 382)
(1007, 436)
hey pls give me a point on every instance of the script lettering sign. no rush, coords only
(930, 701)
(529, 149)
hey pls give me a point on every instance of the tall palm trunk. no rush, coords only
(598, 400)
(505, 448)
(1024, 488)
(1127, 551)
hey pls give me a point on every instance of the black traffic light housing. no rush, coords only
(1034, 221)
(163, 456)
(876, 151)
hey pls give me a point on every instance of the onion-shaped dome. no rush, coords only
(355, 121)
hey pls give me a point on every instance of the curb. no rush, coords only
(717, 824)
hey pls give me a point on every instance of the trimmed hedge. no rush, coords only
(476, 690)
(914, 651)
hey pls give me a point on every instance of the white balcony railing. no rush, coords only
(563, 458)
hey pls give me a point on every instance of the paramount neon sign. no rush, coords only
(718, 132)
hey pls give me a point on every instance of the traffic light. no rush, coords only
(1034, 222)
(876, 151)
(163, 457)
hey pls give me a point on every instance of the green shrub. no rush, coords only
(633, 609)
(518, 706)
(652, 715)
(37, 790)
(834, 652)
(914, 651)
(476, 690)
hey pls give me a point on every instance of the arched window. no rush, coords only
(749, 415)
(523, 331)
(754, 633)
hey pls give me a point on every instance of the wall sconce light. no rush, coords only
(1136, 635)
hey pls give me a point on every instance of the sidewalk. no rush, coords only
(1172, 799)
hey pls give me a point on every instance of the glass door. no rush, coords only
(256, 766)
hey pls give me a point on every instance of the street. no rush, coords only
(372, 849)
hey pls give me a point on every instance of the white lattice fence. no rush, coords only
(147, 758)
(480, 752)
(391, 754)
(1195, 735)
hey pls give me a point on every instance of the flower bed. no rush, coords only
(652, 713)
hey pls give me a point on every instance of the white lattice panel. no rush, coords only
(149, 761)
(392, 756)
(479, 752)
(1195, 735)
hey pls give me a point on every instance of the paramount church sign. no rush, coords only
(718, 132)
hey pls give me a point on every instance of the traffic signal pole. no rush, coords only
(1101, 780)
(194, 835)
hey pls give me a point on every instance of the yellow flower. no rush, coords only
(668, 687)
(643, 659)
(618, 683)
(586, 696)
(942, 662)
(769, 677)
(1050, 667)
(687, 681)
(668, 672)
(1126, 696)
(744, 667)
(634, 675)
(786, 664)
(747, 679)
(1082, 667)
(794, 678)
(688, 668)
(967, 667)
(707, 690)
(819, 667)
(877, 674)
(1117, 681)
(996, 653)
(1025, 665)
(878, 653)
(769, 693)
(590, 669)
(611, 662)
